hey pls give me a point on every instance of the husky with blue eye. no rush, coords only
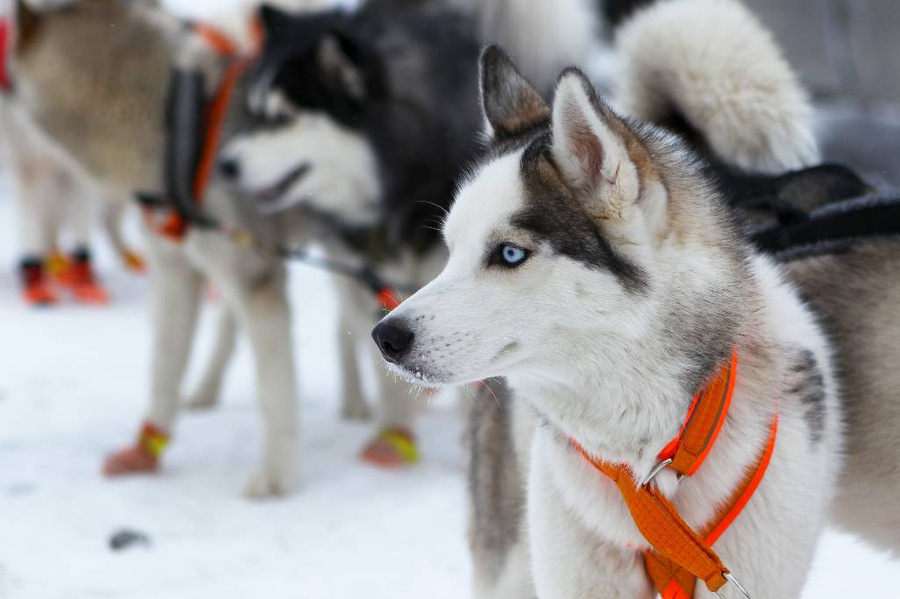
(596, 266)
(668, 75)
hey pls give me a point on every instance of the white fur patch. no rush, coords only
(723, 71)
(342, 178)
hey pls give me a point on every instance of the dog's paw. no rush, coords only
(278, 474)
(355, 408)
(265, 484)
(393, 448)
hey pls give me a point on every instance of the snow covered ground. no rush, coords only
(73, 385)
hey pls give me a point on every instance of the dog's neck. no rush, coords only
(624, 402)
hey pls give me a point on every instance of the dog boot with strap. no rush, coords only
(80, 279)
(143, 457)
(35, 287)
(678, 556)
(392, 448)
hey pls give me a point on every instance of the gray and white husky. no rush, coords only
(596, 267)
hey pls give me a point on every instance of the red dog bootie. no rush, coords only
(393, 448)
(78, 276)
(35, 287)
(143, 457)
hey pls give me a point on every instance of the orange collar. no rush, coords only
(678, 555)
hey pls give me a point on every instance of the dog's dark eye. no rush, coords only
(509, 256)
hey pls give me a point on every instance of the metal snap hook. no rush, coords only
(655, 472)
(730, 578)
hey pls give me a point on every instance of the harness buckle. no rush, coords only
(730, 578)
(655, 472)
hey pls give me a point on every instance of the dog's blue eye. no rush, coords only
(510, 256)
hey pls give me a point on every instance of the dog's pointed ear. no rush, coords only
(510, 103)
(274, 20)
(338, 65)
(591, 148)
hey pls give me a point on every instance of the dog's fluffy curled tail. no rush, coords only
(714, 65)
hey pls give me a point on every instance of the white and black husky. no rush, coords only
(364, 121)
(596, 267)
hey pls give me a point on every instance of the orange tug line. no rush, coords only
(678, 556)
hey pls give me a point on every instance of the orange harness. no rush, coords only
(678, 555)
(174, 226)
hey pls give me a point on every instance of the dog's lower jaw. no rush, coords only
(415, 376)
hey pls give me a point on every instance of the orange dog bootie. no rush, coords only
(36, 289)
(392, 448)
(143, 457)
(80, 279)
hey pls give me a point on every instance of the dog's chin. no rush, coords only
(423, 377)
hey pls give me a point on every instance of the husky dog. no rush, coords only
(99, 92)
(594, 265)
(364, 121)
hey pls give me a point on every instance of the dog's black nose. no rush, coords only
(393, 339)
(230, 168)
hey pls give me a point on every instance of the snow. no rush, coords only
(73, 385)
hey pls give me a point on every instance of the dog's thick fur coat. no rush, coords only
(641, 286)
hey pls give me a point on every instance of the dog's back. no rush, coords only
(94, 78)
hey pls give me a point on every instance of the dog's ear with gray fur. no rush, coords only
(510, 103)
(592, 147)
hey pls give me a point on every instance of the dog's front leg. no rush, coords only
(176, 290)
(569, 560)
(263, 306)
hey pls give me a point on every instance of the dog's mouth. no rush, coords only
(273, 199)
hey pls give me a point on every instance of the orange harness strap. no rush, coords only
(678, 555)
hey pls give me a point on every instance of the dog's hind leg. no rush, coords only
(206, 394)
(350, 331)
(176, 290)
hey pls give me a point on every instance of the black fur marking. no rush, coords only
(555, 217)
(618, 11)
(810, 386)
(400, 73)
